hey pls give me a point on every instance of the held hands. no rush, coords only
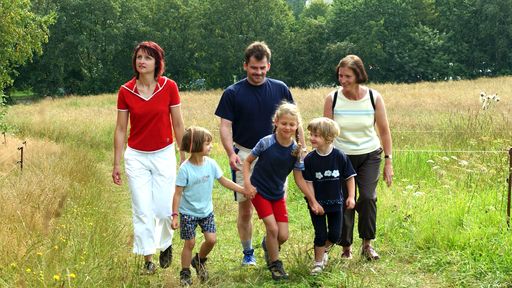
(249, 190)
(316, 208)
(235, 162)
(116, 175)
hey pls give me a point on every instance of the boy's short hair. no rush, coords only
(258, 50)
(327, 128)
(194, 138)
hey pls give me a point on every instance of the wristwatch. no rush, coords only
(388, 157)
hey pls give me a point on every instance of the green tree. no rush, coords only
(306, 56)
(23, 33)
(89, 48)
(393, 38)
(297, 6)
(228, 26)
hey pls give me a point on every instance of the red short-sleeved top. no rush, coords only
(150, 121)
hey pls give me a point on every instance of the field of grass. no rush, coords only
(441, 224)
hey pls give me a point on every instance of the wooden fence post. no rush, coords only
(21, 157)
(509, 185)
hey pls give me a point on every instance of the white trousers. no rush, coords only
(151, 178)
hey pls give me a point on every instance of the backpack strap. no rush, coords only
(371, 99)
(334, 100)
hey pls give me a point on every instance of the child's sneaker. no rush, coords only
(149, 268)
(249, 259)
(277, 270)
(317, 268)
(166, 257)
(185, 277)
(265, 251)
(200, 266)
(369, 253)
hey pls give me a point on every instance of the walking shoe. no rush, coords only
(317, 269)
(166, 257)
(249, 259)
(265, 251)
(369, 253)
(277, 270)
(149, 268)
(185, 277)
(346, 254)
(200, 266)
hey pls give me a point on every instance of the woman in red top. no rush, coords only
(151, 103)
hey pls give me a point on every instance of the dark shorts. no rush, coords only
(188, 225)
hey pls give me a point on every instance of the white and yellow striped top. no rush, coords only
(356, 119)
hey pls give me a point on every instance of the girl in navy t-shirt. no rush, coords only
(278, 154)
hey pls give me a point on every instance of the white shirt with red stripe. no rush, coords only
(150, 121)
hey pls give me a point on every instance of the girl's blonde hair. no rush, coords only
(194, 138)
(287, 108)
(327, 128)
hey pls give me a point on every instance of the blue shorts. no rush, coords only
(188, 225)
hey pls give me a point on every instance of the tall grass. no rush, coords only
(441, 224)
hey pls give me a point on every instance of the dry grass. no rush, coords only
(30, 199)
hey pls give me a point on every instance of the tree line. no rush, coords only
(84, 47)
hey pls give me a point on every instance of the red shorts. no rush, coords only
(266, 208)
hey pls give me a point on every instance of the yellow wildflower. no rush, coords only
(56, 277)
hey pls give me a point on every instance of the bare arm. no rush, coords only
(119, 142)
(233, 186)
(328, 105)
(226, 137)
(382, 123)
(246, 168)
(178, 127)
(308, 191)
(176, 205)
(350, 202)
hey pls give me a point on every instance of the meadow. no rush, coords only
(441, 224)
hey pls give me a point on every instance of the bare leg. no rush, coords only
(244, 221)
(209, 241)
(186, 254)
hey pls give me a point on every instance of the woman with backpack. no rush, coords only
(358, 110)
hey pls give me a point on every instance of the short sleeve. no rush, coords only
(121, 101)
(307, 173)
(260, 147)
(181, 178)
(217, 172)
(225, 107)
(174, 99)
(299, 164)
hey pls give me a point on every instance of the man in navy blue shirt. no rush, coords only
(245, 110)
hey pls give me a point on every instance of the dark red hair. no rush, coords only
(153, 50)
